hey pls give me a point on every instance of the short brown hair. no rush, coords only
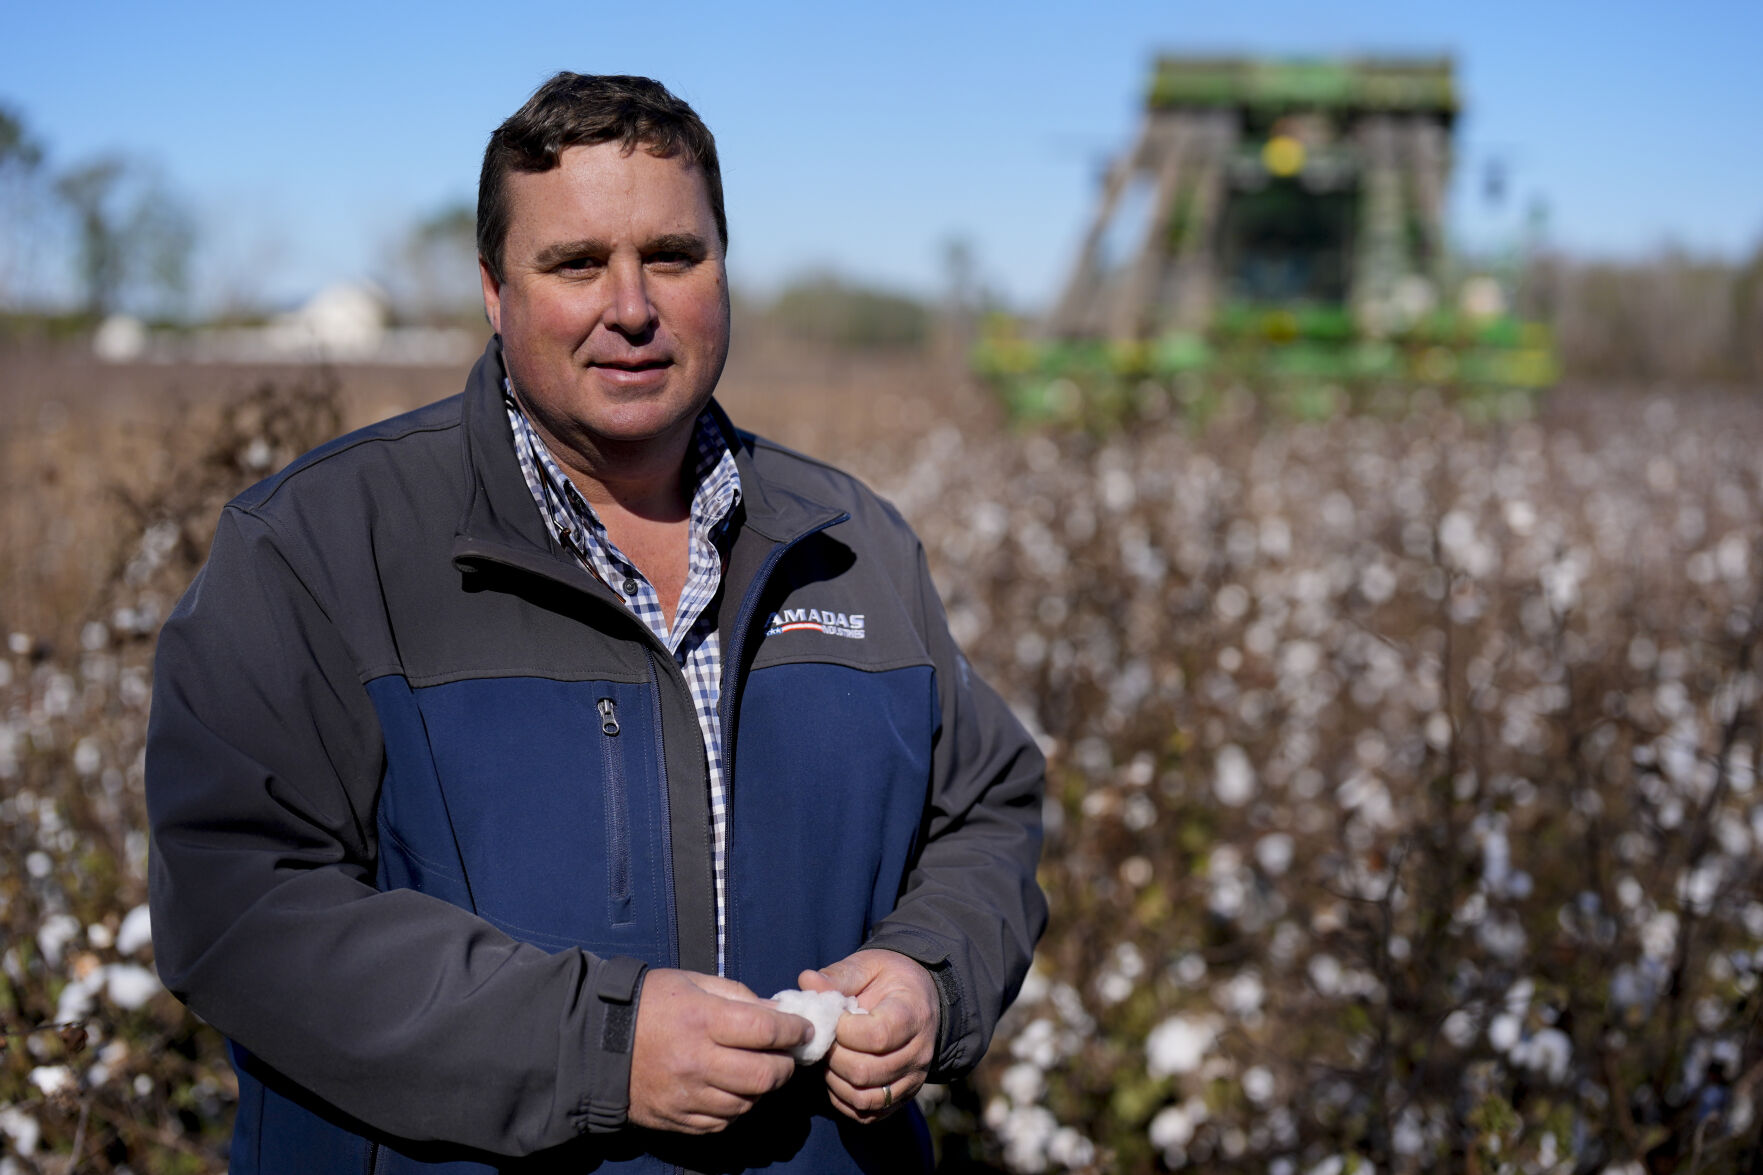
(579, 110)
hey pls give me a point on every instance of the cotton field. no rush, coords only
(1402, 813)
(1402, 810)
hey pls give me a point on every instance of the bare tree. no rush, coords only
(134, 238)
(433, 270)
(21, 166)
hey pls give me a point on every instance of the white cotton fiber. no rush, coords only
(821, 1009)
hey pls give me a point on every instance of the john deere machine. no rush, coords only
(1277, 225)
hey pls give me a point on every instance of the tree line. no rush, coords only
(131, 237)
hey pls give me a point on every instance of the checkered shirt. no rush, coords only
(693, 639)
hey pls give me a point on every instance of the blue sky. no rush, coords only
(863, 138)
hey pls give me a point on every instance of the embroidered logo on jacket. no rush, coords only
(815, 620)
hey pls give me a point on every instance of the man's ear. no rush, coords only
(492, 294)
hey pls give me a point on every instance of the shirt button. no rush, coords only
(630, 586)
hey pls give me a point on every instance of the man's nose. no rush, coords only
(629, 310)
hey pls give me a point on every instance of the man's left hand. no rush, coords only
(879, 1061)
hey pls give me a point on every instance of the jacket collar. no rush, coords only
(772, 509)
(499, 510)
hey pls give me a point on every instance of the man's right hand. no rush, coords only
(705, 1050)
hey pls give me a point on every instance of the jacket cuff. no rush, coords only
(953, 1035)
(615, 985)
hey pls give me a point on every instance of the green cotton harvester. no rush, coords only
(1278, 225)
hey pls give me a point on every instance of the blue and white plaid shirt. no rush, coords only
(693, 639)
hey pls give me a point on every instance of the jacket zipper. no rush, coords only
(374, 1152)
(668, 902)
(725, 703)
(618, 843)
(666, 823)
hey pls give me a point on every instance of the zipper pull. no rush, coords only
(608, 716)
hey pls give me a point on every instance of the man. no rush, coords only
(505, 753)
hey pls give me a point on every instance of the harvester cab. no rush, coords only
(1277, 225)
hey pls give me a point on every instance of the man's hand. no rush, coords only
(879, 1061)
(705, 1050)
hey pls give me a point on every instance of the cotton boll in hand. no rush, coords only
(821, 1009)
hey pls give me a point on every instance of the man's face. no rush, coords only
(613, 305)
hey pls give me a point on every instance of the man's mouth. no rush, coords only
(631, 364)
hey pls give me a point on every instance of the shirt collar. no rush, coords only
(715, 479)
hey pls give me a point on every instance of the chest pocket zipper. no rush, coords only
(618, 845)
